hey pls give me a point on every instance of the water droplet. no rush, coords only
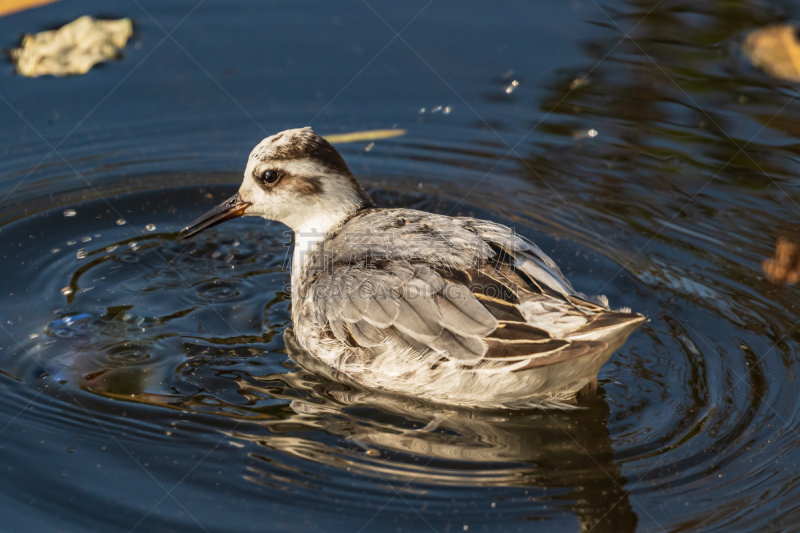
(55, 250)
(421, 110)
(583, 134)
(150, 227)
(447, 110)
(510, 88)
(70, 213)
(66, 291)
(86, 239)
(33, 335)
(81, 253)
(70, 243)
(111, 248)
(494, 505)
(436, 109)
(369, 147)
(121, 222)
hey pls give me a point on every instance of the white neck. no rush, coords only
(308, 235)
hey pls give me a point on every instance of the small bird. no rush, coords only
(453, 310)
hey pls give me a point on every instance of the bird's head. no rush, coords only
(295, 177)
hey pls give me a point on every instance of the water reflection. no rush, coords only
(384, 436)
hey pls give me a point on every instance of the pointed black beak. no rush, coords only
(233, 207)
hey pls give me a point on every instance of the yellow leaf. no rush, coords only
(12, 6)
(371, 135)
(775, 50)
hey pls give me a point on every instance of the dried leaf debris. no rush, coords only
(785, 266)
(72, 49)
(776, 50)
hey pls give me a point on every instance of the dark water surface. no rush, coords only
(145, 383)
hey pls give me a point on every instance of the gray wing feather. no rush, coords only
(469, 350)
(463, 313)
(410, 303)
(365, 334)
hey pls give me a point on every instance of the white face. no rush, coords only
(313, 191)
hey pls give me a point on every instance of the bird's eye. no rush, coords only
(270, 177)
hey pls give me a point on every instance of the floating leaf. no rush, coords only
(371, 135)
(785, 267)
(776, 50)
(71, 49)
(12, 6)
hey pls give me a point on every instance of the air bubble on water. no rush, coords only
(81, 253)
(510, 89)
(86, 239)
(447, 110)
(70, 243)
(33, 335)
(229, 258)
(121, 222)
(70, 213)
(421, 110)
(215, 255)
(55, 250)
(111, 248)
(436, 109)
(583, 134)
(369, 147)
(132, 244)
(150, 227)
(577, 82)
(236, 243)
(66, 291)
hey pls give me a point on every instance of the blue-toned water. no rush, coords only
(145, 383)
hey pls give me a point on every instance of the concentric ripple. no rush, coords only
(150, 383)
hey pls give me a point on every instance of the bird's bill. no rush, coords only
(233, 207)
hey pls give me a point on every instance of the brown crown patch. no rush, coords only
(305, 145)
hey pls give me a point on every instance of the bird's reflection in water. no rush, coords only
(568, 450)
